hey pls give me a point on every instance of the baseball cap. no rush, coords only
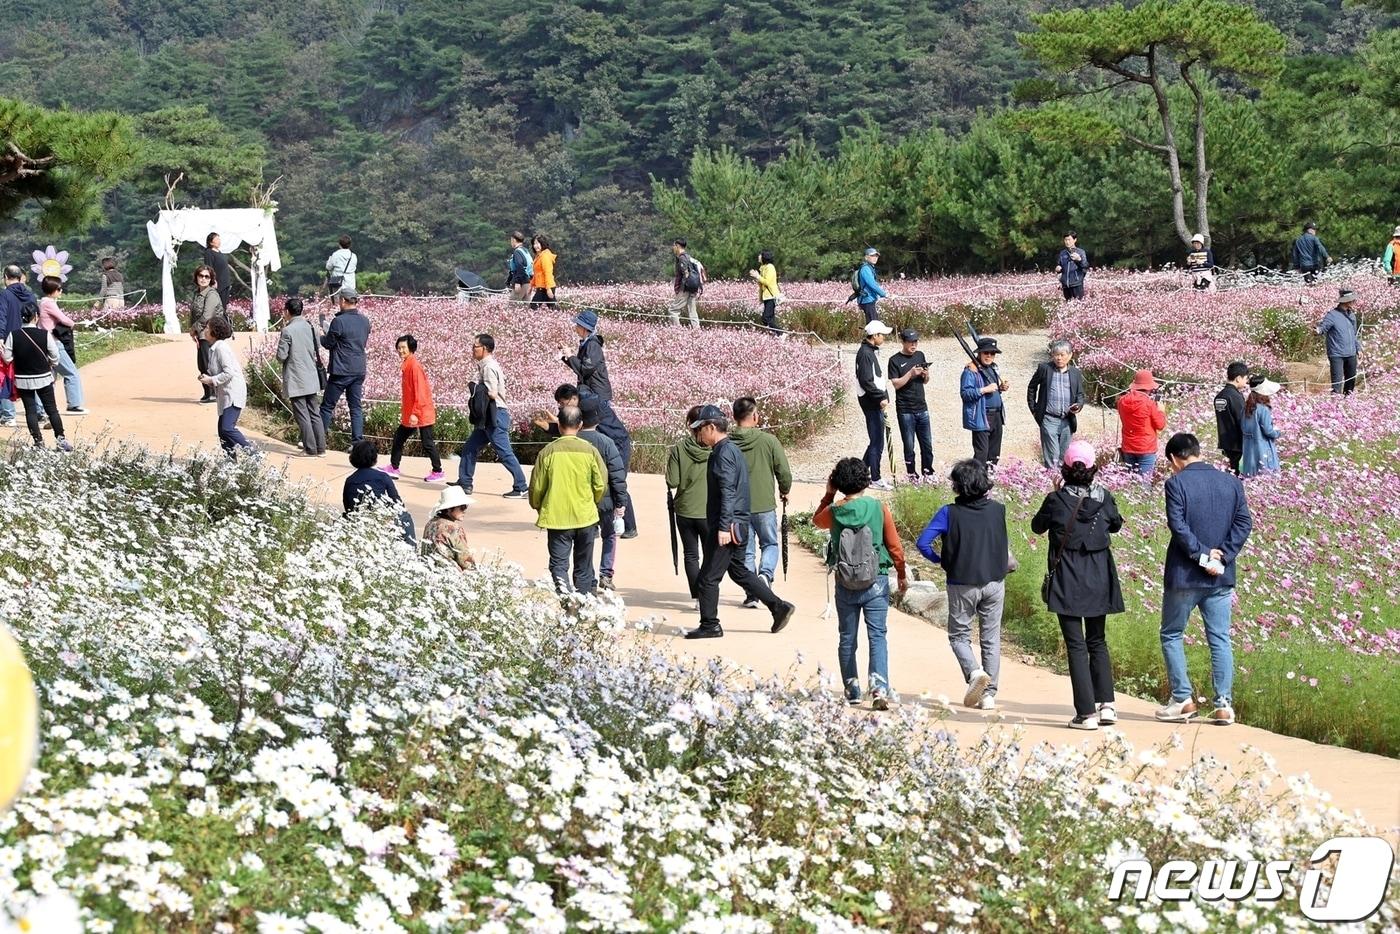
(1080, 452)
(589, 409)
(708, 413)
(877, 327)
(350, 295)
(908, 334)
(871, 251)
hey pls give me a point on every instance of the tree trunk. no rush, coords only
(1202, 171)
(1164, 112)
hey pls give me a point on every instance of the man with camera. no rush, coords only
(1141, 417)
(908, 374)
(1055, 396)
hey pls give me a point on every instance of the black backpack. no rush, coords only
(855, 284)
(691, 282)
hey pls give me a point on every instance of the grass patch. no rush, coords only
(92, 347)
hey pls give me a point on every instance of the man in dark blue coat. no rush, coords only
(1210, 522)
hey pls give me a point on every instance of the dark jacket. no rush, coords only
(1308, 252)
(1038, 392)
(346, 339)
(1341, 330)
(218, 262)
(481, 408)
(591, 368)
(687, 474)
(1072, 267)
(1085, 583)
(14, 297)
(727, 489)
(870, 376)
(364, 482)
(616, 492)
(1229, 413)
(976, 550)
(1206, 509)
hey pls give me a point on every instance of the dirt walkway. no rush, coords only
(147, 396)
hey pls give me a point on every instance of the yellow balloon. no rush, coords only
(19, 720)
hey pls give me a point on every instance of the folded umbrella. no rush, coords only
(785, 540)
(671, 516)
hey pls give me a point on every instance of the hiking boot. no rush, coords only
(1178, 711)
(1223, 715)
(705, 632)
(783, 615)
(976, 687)
(1107, 715)
(391, 471)
(433, 477)
(1084, 722)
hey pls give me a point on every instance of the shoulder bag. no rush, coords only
(1059, 553)
(316, 352)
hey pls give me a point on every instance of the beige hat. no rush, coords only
(451, 498)
(1267, 388)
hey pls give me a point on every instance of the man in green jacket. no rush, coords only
(686, 467)
(767, 465)
(566, 487)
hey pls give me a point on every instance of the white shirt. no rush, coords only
(345, 263)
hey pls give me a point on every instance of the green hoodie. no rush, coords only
(854, 513)
(767, 463)
(685, 473)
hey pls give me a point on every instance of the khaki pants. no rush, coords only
(684, 301)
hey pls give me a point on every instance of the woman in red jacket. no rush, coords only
(416, 411)
(1141, 418)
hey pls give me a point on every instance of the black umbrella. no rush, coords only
(671, 516)
(785, 540)
(469, 281)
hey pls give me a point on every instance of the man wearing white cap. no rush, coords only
(1343, 331)
(1200, 262)
(874, 398)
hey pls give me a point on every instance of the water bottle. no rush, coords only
(618, 524)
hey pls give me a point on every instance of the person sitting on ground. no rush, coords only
(367, 484)
(976, 558)
(416, 411)
(1083, 587)
(1260, 436)
(445, 535)
(1141, 417)
(862, 574)
(34, 353)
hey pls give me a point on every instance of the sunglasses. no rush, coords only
(202, 276)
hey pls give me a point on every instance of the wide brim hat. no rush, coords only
(450, 498)
(1267, 388)
(988, 345)
(1345, 295)
(1144, 380)
(588, 318)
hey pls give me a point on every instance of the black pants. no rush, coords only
(33, 398)
(770, 314)
(1343, 372)
(691, 533)
(1234, 458)
(875, 434)
(201, 360)
(986, 445)
(1309, 275)
(719, 560)
(1072, 291)
(1090, 672)
(425, 435)
(541, 297)
(629, 512)
(579, 543)
(871, 311)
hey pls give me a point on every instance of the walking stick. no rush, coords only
(785, 539)
(889, 446)
(671, 516)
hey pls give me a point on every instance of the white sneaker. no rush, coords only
(1177, 711)
(883, 485)
(976, 687)
(1107, 714)
(988, 702)
(1084, 723)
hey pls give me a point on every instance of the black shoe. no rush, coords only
(631, 534)
(76, 410)
(207, 399)
(705, 632)
(783, 615)
(515, 494)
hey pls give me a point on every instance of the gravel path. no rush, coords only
(1019, 356)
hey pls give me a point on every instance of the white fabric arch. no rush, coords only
(235, 227)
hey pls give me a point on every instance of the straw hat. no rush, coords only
(450, 498)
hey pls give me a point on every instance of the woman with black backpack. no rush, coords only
(1081, 583)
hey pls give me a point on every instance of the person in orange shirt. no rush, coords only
(416, 411)
(543, 279)
(1141, 418)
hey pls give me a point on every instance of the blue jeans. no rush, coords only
(1054, 438)
(764, 537)
(912, 426)
(72, 385)
(352, 388)
(1144, 464)
(607, 539)
(7, 407)
(875, 452)
(229, 435)
(874, 603)
(1177, 605)
(499, 438)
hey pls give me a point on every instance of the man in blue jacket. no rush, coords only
(1072, 265)
(1342, 331)
(347, 339)
(983, 411)
(1209, 522)
(869, 292)
(1309, 255)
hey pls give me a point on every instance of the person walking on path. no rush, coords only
(864, 546)
(976, 560)
(298, 350)
(13, 299)
(1390, 257)
(589, 364)
(416, 411)
(984, 413)
(727, 523)
(1200, 263)
(1072, 265)
(53, 319)
(1229, 413)
(1141, 417)
(542, 276)
(869, 291)
(204, 307)
(520, 268)
(1210, 522)
(688, 281)
(766, 275)
(1055, 396)
(366, 484)
(874, 398)
(230, 388)
(687, 475)
(1082, 580)
(1260, 436)
(495, 428)
(445, 535)
(566, 486)
(608, 424)
(610, 508)
(1342, 331)
(112, 298)
(1309, 256)
(908, 374)
(34, 353)
(768, 465)
(217, 261)
(347, 341)
(340, 268)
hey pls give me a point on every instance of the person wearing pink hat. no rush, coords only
(1141, 417)
(1081, 582)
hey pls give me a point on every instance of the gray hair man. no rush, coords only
(1055, 396)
